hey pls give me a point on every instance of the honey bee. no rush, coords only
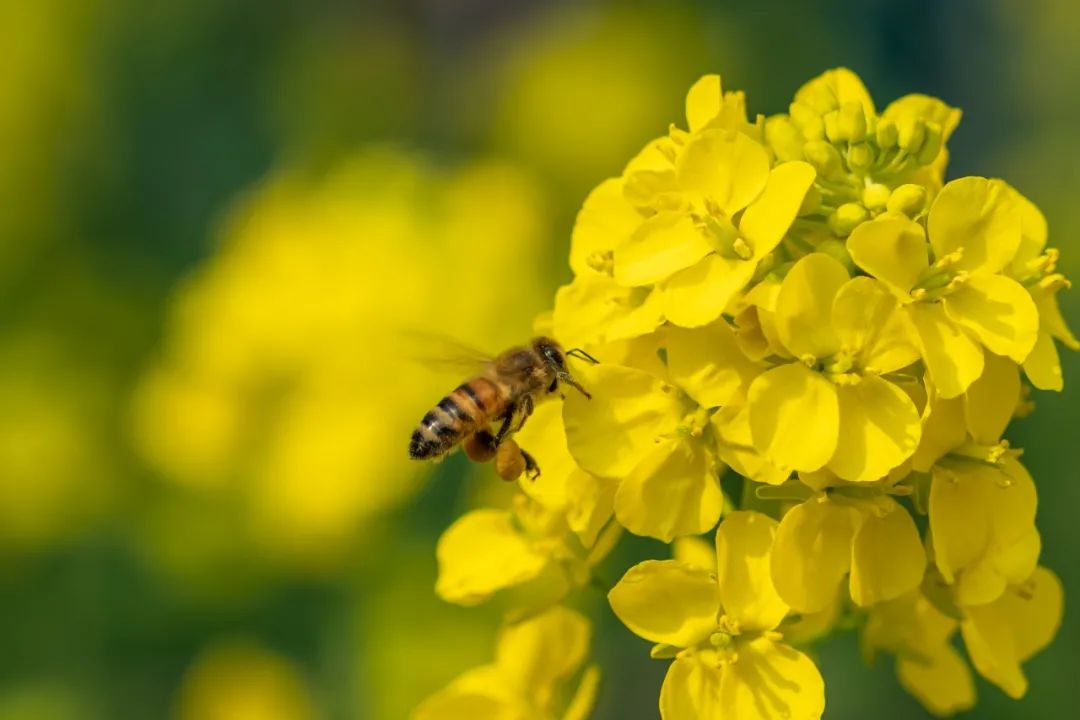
(505, 392)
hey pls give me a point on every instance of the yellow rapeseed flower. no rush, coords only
(683, 230)
(829, 404)
(652, 430)
(951, 287)
(720, 628)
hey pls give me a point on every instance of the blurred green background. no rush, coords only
(216, 219)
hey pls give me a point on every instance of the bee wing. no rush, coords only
(446, 353)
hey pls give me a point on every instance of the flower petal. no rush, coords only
(804, 306)
(879, 429)
(563, 486)
(771, 680)
(978, 215)
(887, 556)
(952, 357)
(734, 445)
(813, 553)
(695, 551)
(667, 602)
(991, 400)
(614, 431)
(769, 216)
(724, 166)
(594, 309)
(544, 436)
(943, 430)
(673, 491)
(704, 101)
(479, 693)
(482, 553)
(606, 220)
(698, 295)
(661, 246)
(538, 654)
(978, 510)
(1001, 635)
(590, 504)
(794, 417)
(894, 250)
(708, 363)
(582, 703)
(998, 311)
(1043, 366)
(1033, 232)
(744, 544)
(942, 681)
(691, 690)
(871, 327)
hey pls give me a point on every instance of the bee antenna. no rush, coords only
(566, 378)
(581, 354)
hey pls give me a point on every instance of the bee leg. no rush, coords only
(532, 470)
(527, 408)
(507, 421)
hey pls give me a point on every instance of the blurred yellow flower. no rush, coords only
(51, 92)
(577, 90)
(534, 660)
(241, 681)
(720, 630)
(56, 476)
(284, 379)
(998, 636)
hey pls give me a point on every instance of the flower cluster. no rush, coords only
(809, 337)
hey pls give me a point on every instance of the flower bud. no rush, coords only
(846, 218)
(784, 138)
(908, 199)
(851, 122)
(886, 134)
(911, 131)
(824, 157)
(931, 144)
(807, 120)
(875, 196)
(832, 127)
(860, 157)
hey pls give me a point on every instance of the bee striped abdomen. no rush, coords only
(459, 414)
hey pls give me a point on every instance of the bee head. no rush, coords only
(555, 359)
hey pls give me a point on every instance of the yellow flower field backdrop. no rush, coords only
(236, 242)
